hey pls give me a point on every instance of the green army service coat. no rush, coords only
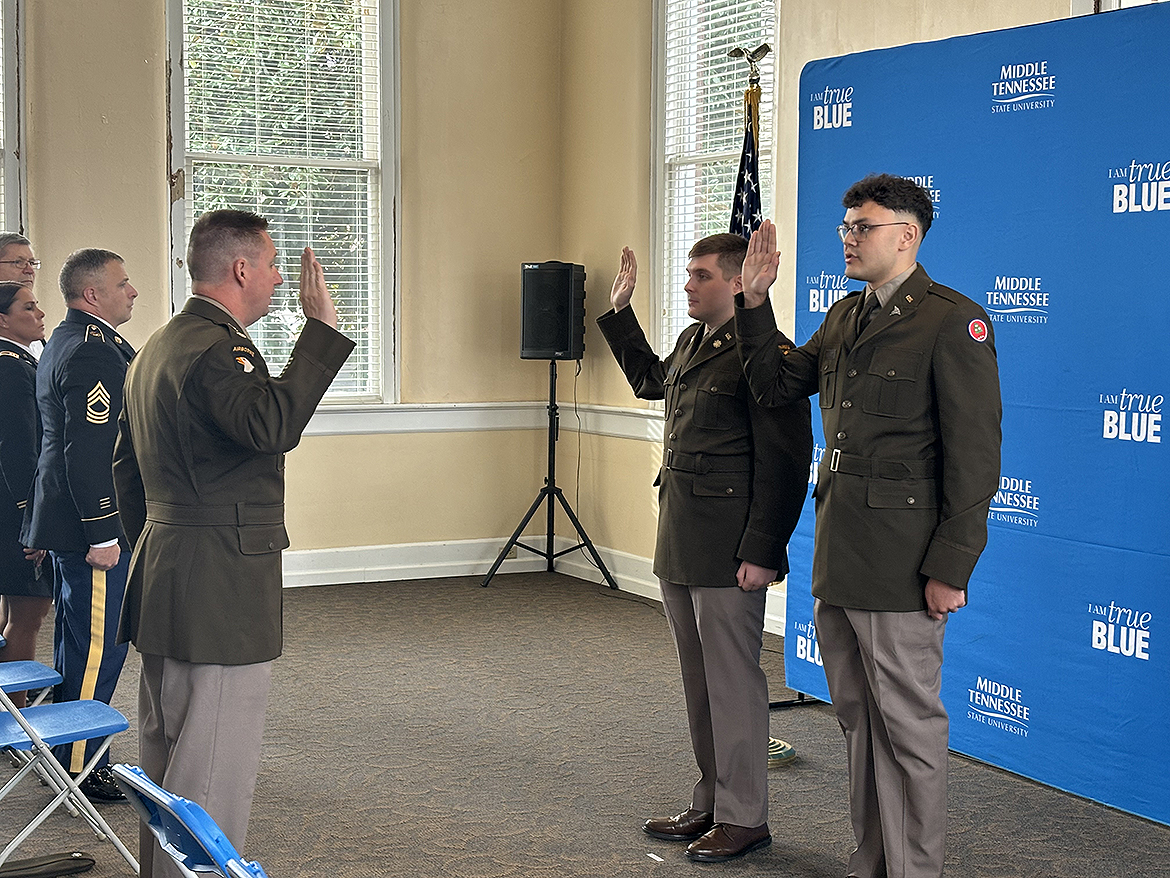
(911, 412)
(199, 473)
(734, 474)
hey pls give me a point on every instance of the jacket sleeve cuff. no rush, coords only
(949, 564)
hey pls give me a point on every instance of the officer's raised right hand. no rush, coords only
(623, 284)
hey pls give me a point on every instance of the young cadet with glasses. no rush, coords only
(909, 398)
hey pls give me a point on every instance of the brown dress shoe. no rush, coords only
(690, 824)
(726, 841)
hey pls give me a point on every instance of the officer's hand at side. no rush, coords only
(314, 295)
(103, 558)
(761, 265)
(623, 284)
(942, 599)
(752, 576)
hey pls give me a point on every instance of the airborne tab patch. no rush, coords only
(97, 404)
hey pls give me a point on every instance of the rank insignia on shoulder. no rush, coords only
(245, 364)
(237, 331)
(910, 299)
(727, 335)
(92, 331)
(717, 344)
(784, 348)
(97, 405)
(9, 354)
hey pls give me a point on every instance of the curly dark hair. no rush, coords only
(898, 194)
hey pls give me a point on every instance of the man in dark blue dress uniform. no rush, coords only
(74, 514)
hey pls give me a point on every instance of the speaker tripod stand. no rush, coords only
(546, 494)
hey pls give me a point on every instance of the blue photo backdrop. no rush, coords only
(1047, 154)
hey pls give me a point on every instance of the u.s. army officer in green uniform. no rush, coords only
(199, 469)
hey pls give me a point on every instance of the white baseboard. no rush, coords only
(389, 563)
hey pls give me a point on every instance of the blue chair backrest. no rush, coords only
(184, 830)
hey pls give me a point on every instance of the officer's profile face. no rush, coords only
(112, 293)
(710, 296)
(24, 322)
(263, 278)
(16, 264)
(876, 247)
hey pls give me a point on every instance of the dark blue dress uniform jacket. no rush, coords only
(79, 393)
(20, 441)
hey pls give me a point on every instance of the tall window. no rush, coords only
(283, 117)
(702, 123)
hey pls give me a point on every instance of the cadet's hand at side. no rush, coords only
(623, 284)
(761, 265)
(314, 295)
(752, 576)
(942, 599)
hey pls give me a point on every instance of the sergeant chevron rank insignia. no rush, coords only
(97, 405)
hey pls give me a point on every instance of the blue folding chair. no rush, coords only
(184, 830)
(33, 732)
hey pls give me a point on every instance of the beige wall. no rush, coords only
(525, 135)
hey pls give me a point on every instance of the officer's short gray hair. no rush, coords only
(81, 268)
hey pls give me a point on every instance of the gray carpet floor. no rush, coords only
(439, 729)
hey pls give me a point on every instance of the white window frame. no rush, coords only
(388, 209)
(662, 285)
(13, 216)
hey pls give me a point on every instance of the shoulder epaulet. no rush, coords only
(93, 331)
(9, 354)
(947, 293)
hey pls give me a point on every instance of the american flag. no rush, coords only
(746, 210)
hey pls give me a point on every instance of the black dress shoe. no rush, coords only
(690, 824)
(100, 786)
(726, 841)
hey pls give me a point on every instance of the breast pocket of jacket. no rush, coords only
(894, 382)
(716, 406)
(828, 376)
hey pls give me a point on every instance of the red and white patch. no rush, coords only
(978, 330)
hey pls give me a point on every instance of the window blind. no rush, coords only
(703, 129)
(282, 118)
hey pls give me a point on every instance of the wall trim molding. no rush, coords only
(472, 417)
(403, 561)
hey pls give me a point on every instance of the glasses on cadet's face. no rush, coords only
(860, 231)
(21, 263)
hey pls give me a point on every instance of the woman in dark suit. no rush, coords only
(27, 591)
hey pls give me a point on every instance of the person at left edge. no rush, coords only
(73, 512)
(26, 585)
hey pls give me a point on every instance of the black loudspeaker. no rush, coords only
(552, 311)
